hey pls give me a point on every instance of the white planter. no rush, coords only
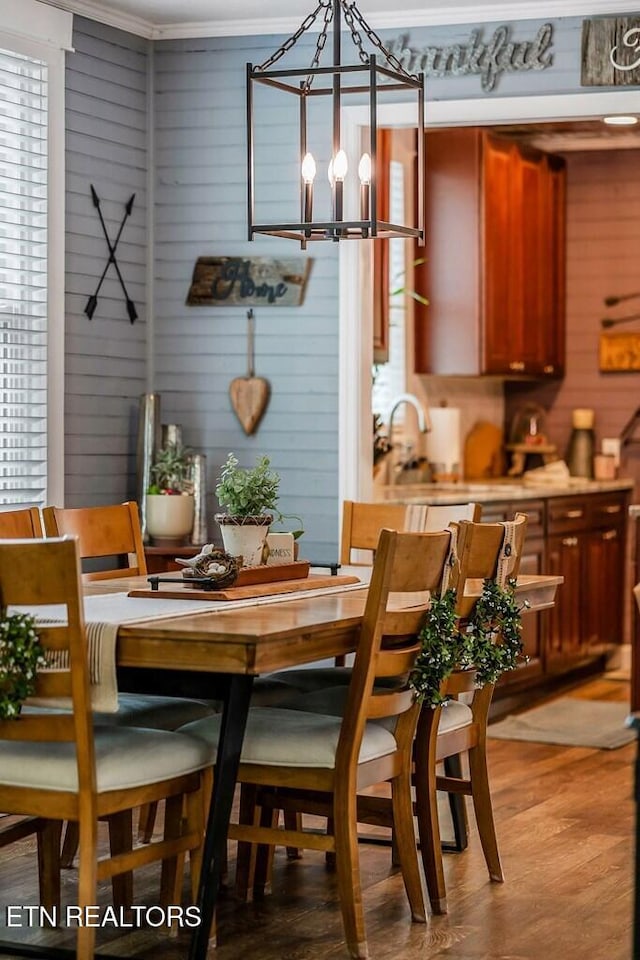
(169, 517)
(244, 536)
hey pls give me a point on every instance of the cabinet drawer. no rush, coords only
(535, 512)
(566, 514)
(607, 510)
(495, 512)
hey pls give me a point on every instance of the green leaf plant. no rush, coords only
(251, 491)
(490, 641)
(21, 656)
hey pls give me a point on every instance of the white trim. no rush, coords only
(441, 14)
(56, 280)
(354, 410)
(37, 22)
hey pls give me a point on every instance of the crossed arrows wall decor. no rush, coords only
(92, 302)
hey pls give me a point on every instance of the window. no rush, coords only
(23, 279)
(32, 251)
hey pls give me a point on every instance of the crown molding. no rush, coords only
(93, 10)
(441, 14)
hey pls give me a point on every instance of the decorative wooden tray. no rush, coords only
(173, 588)
(246, 576)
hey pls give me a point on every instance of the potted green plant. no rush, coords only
(169, 499)
(249, 496)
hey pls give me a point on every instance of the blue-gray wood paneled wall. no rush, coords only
(105, 358)
(199, 205)
(200, 209)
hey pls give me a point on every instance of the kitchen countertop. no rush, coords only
(493, 491)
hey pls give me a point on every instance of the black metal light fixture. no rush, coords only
(368, 79)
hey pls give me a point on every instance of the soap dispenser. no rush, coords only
(581, 444)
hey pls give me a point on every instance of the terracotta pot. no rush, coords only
(244, 536)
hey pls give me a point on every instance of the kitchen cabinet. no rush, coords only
(586, 545)
(494, 269)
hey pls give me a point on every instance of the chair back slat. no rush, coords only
(362, 523)
(394, 663)
(111, 531)
(389, 704)
(28, 727)
(53, 684)
(20, 524)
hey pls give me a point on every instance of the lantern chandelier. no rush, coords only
(367, 78)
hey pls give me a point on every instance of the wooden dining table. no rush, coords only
(217, 654)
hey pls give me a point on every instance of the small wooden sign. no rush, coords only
(611, 52)
(619, 352)
(249, 281)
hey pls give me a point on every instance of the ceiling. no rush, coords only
(563, 136)
(184, 18)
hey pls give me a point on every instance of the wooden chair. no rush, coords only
(20, 524)
(55, 765)
(110, 533)
(491, 550)
(486, 551)
(310, 763)
(103, 532)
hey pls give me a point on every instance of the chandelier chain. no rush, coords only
(291, 41)
(352, 13)
(322, 39)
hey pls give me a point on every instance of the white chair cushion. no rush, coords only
(276, 737)
(158, 713)
(125, 757)
(315, 678)
(146, 710)
(454, 715)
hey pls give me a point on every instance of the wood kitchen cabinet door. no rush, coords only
(495, 258)
(564, 559)
(603, 621)
(498, 163)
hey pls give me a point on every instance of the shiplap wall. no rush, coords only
(106, 145)
(200, 209)
(198, 165)
(603, 253)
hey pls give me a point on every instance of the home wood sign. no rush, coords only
(249, 281)
(611, 52)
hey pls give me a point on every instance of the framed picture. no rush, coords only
(619, 352)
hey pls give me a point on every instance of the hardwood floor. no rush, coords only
(565, 821)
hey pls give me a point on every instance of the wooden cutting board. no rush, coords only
(174, 591)
(483, 452)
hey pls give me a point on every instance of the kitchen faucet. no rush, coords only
(424, 423)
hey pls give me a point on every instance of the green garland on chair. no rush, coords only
(21, 656)
(490, 641)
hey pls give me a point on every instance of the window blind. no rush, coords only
(23, 279)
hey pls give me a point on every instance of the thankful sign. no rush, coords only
(249, 281)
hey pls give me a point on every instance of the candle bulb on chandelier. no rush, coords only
(308, 175)
(364, 172)
(338, 171)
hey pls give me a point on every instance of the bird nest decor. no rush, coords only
(212, 564)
